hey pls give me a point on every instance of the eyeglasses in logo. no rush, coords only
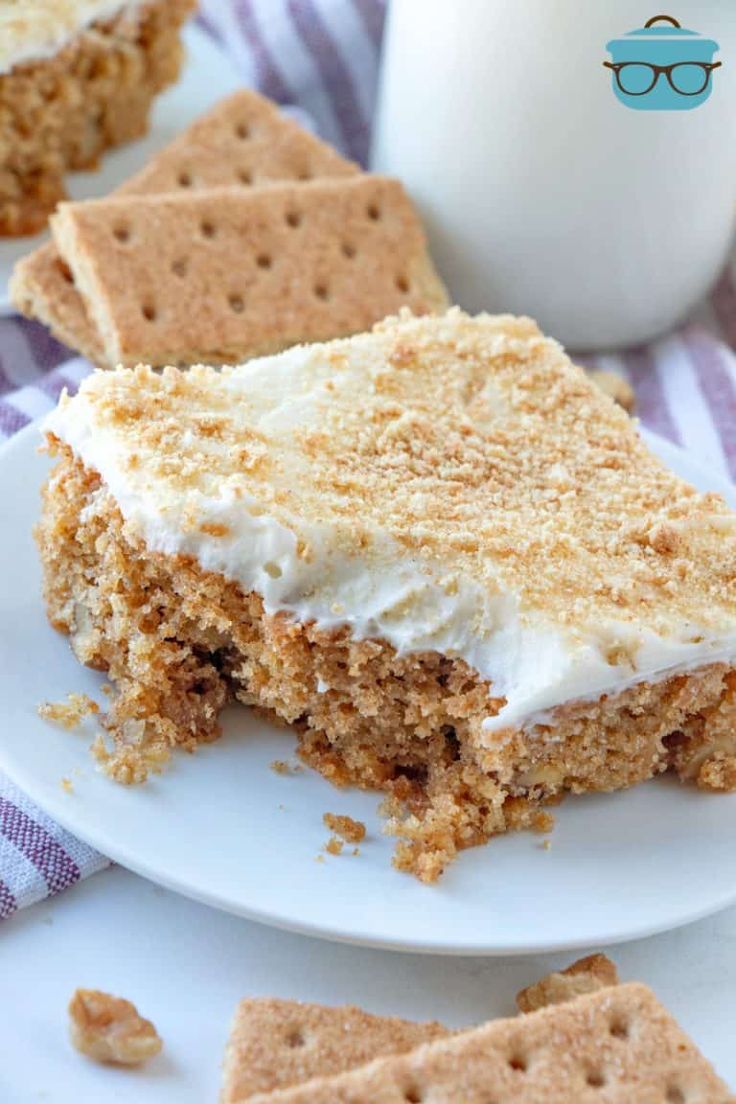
(662, 68)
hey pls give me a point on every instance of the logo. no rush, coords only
(662, 68)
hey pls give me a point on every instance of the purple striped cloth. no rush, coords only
(322, 56)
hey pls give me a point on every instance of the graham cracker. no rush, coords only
(243, 141)
(617, 1045)
(593, 972)
(275, 1044)
(226, 274)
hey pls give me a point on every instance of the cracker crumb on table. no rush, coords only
(334, 846)
(110, 1030)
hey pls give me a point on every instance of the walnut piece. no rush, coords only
(584, 976)
(109, 1029)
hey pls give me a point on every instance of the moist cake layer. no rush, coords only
(179, 642)
(450, 485)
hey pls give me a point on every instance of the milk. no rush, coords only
(543, 194)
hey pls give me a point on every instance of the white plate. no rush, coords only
(222, 827)
(207, 76)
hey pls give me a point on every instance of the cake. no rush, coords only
(436, 550)
(76, 77)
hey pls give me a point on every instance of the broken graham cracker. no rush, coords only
(226, 275)
(617, 1045)
(276, 1044)
(588, 974)
(244, 141)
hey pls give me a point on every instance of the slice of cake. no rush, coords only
(436, 549)
(618, 1045)
(75, 79)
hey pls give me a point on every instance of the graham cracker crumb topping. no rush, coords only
(473, 445)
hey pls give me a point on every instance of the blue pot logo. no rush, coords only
(662, 68)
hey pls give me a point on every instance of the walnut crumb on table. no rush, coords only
(587, 974)
(109, 1029)
(352, 831)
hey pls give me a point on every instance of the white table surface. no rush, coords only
(186, 966)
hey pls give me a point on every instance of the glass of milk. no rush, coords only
(543, 192)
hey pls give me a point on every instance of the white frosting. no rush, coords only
(531, 661)
(34, 29)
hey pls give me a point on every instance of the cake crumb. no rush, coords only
(543, 822)
(334, 846)
(586, 975)
(718, 773)
(356, 850)
(352, 831)
(130, 765)
(67, 785)
(546, 845)
(109, 1029)
(319, 858)
(281, 766)
(71, 713)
